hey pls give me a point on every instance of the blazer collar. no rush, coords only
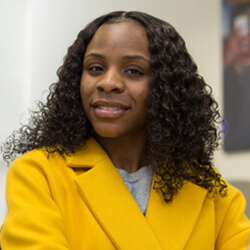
(109, 200)
(87, 156)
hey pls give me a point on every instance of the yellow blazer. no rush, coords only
(81, 202)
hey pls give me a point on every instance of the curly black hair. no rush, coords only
(183, 117)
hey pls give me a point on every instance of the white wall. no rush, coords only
(12, 31)
(35, 35)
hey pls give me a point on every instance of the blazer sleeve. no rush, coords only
(33, 220)
(232, 224)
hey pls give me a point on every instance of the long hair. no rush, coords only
(182, 114)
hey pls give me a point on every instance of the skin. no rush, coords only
(115, 88)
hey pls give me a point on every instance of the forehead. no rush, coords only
(123, 35)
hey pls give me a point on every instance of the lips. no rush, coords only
(109, 109)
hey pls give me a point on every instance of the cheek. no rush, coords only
(145, 99)
(84, 87)
(143, 96)
(140, 90)
(82, 91)
(84, 95)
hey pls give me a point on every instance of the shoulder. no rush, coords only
(38, 157)
(37, 164)
(233, 203)
(224, 217)
(231, 223)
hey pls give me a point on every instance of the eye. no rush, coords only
(133, 71)
(95, 68)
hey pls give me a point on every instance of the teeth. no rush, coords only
(109, 108)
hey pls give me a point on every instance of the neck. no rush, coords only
(128, 153)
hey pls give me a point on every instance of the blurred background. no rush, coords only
(35, 35)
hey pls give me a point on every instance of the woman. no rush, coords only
(120, 155)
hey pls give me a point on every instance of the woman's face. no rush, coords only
(115, 80)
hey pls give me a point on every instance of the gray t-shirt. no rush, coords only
(139, 185)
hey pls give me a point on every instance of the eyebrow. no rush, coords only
(136, 57)
(124, 57)
(95, 55)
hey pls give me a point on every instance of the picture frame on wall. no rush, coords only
(236, 74)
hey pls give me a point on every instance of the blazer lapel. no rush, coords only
(109, 200)
(173, 223)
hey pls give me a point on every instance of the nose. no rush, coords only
(111, 81)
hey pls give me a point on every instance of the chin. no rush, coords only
(106, 133)
(107, 130)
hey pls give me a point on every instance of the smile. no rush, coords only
(106, 109)
(109, 108)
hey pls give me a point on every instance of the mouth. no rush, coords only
(109, 109)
